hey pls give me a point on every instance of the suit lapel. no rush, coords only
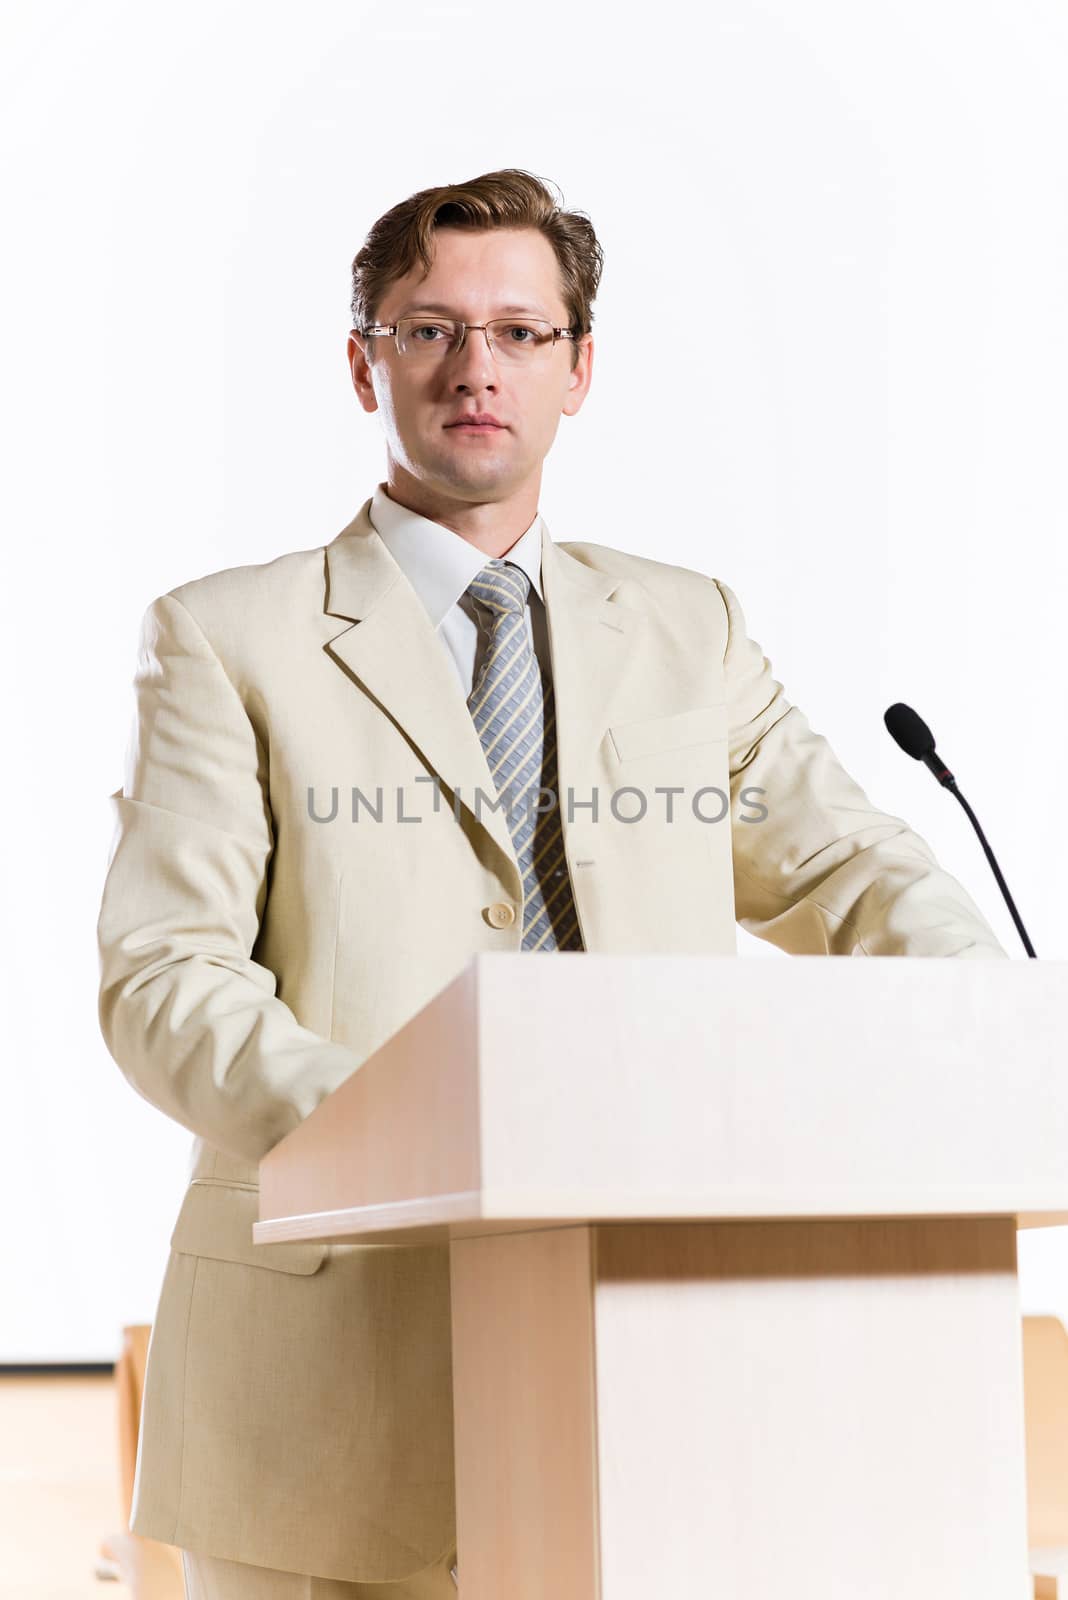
(393, 652)
(593, 638)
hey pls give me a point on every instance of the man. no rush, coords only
(307, 850)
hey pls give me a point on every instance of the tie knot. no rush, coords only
(501, 586)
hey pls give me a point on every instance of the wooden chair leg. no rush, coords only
(151, 1571)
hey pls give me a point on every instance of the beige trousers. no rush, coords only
(210, 1578)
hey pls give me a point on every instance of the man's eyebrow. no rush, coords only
(448, 311)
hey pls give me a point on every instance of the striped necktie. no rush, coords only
(512, 707)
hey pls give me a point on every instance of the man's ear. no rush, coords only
(360, 370)
(581, 376)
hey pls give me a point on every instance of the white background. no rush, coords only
(831, 342)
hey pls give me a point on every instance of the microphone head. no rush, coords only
(909, 730)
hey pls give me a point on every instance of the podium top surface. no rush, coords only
(579, 1087)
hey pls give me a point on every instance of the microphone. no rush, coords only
(909, 730)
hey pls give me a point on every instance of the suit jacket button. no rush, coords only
(501, 914)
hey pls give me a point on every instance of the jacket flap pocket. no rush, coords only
(216, 1220)
(702, 725)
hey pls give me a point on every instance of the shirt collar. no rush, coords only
(438, 564)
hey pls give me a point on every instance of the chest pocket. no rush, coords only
(649, 735)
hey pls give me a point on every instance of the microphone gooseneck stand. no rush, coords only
(909, 730)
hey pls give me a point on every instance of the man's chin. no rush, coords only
(474, 474)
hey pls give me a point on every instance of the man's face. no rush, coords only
(476, 276)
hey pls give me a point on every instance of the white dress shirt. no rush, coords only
(439, 565)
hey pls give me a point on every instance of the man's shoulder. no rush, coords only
(253, 583)
(662, 581)
(242, 612)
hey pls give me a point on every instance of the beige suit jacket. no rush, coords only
(297, 1411)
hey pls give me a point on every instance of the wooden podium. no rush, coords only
(734, 1301)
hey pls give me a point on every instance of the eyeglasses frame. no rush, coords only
(387, 328)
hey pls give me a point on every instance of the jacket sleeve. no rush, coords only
(825, 872)
(190, 1018)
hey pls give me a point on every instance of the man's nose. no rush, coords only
(473, 363)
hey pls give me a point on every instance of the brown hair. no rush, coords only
(510, 198)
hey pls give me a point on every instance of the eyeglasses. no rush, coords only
(526, 341)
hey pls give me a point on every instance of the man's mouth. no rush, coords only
(480, 421)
